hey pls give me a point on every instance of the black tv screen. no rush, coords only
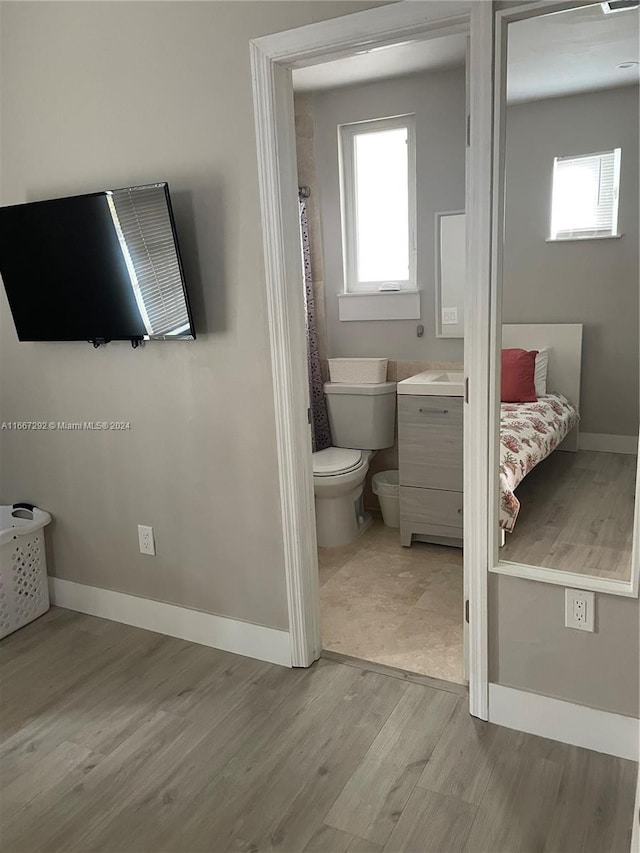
(99, 267)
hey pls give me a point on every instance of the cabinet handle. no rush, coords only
(434, 411)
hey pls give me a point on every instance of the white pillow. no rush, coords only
(540, 373)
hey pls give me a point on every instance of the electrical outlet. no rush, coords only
(145, 540)
(579, 609)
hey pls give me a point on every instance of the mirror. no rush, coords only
(450, 273)
(569, 407)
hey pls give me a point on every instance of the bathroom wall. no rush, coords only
(438, 102)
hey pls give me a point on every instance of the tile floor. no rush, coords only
(396, 606)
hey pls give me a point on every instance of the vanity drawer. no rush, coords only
(430, 440)
(431, 506)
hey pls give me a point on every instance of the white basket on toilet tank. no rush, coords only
(24, 593)
(358, 371)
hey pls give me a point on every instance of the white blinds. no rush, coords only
(585, 195)
(142, 220)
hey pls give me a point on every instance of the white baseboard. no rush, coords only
(219, 632)
(608, 443)
(601, 731)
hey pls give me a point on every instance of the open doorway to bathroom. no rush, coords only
(381, 167)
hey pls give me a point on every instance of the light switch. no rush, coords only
(449, 316)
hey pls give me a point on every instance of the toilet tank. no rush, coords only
(362, 416)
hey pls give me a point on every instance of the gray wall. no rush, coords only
(592, 282)
(199, 463)
(97, 95)
(530, 649)
(438, 101)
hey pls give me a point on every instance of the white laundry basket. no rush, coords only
(24, 593)
(386, 485)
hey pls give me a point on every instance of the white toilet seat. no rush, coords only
(338, 481)
(334, 461)
(361, 415)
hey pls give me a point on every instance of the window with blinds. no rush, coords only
(143, 225)
(585, 196)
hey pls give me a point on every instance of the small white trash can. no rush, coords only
(386, 485)
(24, 592)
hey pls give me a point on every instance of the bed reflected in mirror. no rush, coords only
(569, 409)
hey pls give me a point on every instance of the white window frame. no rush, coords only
(346, 137)
(574, 234)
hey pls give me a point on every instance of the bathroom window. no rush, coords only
(585, 196)
(377, 184)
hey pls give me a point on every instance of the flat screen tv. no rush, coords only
(99, 267)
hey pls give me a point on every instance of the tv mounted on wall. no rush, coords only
(98, 267)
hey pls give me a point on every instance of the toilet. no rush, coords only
(362, 420)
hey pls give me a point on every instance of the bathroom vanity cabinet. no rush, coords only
(430, 436)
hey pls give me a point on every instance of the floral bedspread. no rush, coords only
(529, 432)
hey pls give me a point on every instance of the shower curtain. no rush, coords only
(320, 435)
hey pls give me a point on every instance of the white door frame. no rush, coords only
(272, 60)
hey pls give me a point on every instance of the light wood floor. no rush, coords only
(576, 514)
(401, 607)
(117, 739)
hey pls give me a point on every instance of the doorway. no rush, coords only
(381, 156)
(273, 59)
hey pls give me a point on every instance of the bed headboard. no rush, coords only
(565, 358)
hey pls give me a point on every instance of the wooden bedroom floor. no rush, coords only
(117, 739)
(576, 514)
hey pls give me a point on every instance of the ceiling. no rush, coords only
(549, 56)
(571, 52)
(383, 64)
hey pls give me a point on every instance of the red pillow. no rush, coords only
(518, 372)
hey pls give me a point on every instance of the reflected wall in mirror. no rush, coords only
(570, 339)
(450, 273)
